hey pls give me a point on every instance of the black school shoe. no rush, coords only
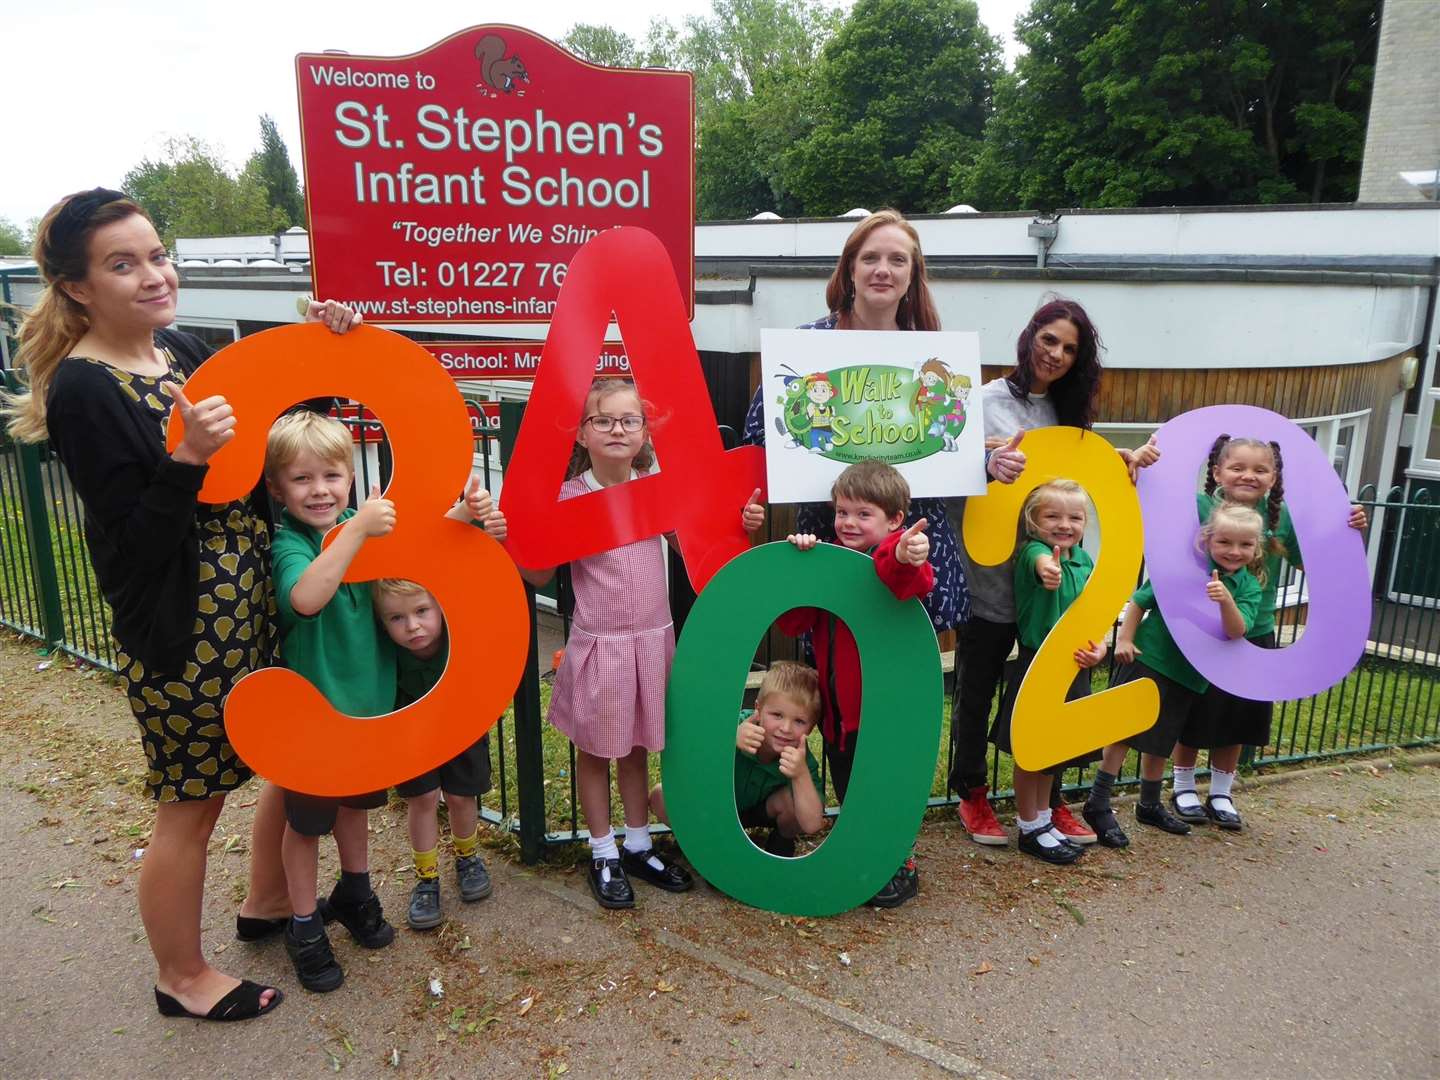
(473, 879)
(1062, 854)
(1155, 814)
(1225, 819)
(902, 886)
(424, 911)
(1106, 827)
(365, 920)
(672, 877)
(315, 964)
(615, 893)
(1191, 815)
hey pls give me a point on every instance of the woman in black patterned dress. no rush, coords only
(187, 583)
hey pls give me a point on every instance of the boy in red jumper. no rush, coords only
(870, 499)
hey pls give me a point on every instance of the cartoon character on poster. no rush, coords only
(940, 402)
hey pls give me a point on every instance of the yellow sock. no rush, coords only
(427, 864)
(465, 846)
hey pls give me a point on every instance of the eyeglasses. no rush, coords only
(604, 424)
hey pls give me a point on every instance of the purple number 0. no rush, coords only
(1337, 575)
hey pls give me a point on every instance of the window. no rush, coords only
(216, 334)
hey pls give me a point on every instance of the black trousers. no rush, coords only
(981, 648)
(841, 763)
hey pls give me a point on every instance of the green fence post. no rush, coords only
(37, 534)
(529, 749)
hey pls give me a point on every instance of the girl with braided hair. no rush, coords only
(1249, 472)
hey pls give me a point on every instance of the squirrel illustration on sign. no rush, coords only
(499, 72)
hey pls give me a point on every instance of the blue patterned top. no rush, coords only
(949, 603)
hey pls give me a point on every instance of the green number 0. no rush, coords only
(901, 704)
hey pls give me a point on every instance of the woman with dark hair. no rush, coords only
(879, 283)
(188, 583)
(1056, 380)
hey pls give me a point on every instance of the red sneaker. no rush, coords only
(1074, 831)
(979, 819)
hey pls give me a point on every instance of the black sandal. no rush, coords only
(248, 929)
(241, 1003)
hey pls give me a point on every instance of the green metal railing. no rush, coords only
(48, 593)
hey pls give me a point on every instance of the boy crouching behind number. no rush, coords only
(777, 779)
(416, 625)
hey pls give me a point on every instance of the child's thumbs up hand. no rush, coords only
(913, 547)
(477, 500)
(1215, 588)
(376, 516)
(749, 736)
(1047, 567)
(792, 762)
(1008, 461)
(753, 514)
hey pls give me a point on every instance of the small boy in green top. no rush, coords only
(1051, 569)
(416, 625)
(777, 779)
(329, 635)
(1232, 538)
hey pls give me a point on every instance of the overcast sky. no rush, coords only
(93, 86)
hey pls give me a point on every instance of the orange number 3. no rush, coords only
(470, 575)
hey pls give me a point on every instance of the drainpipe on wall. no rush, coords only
(1045, 228)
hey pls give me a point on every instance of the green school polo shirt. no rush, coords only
(756, 779)
(1285, 531)
(1038, 609)
(342, 648)
(1158, 650)
(416, 677)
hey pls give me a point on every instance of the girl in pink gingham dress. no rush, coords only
(609, 693)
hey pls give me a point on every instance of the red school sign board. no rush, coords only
(517, 360)
(455, 184)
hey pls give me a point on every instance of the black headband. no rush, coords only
(74, 218)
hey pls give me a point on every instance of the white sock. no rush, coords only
(603, 847)
(1220, 782)
(1040, 825)
(638, 842)
(1185, 796)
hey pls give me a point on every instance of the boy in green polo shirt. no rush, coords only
(777, 779)
(1232, 539)
(415, 623)
(329, 635)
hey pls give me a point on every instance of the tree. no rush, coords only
(905, 89)
(753, 62)
(190, 192)
(1179, 102)
(12, 240)
(270, 167)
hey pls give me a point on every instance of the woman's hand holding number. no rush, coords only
(336, 316)
(209, 425)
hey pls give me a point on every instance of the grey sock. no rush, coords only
(1150, 791)
(1100, 791)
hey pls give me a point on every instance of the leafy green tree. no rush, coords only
(12, 240)
(753, 62)
(190, 192)
(905, 89)
(270, 166)
(1179, 102)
